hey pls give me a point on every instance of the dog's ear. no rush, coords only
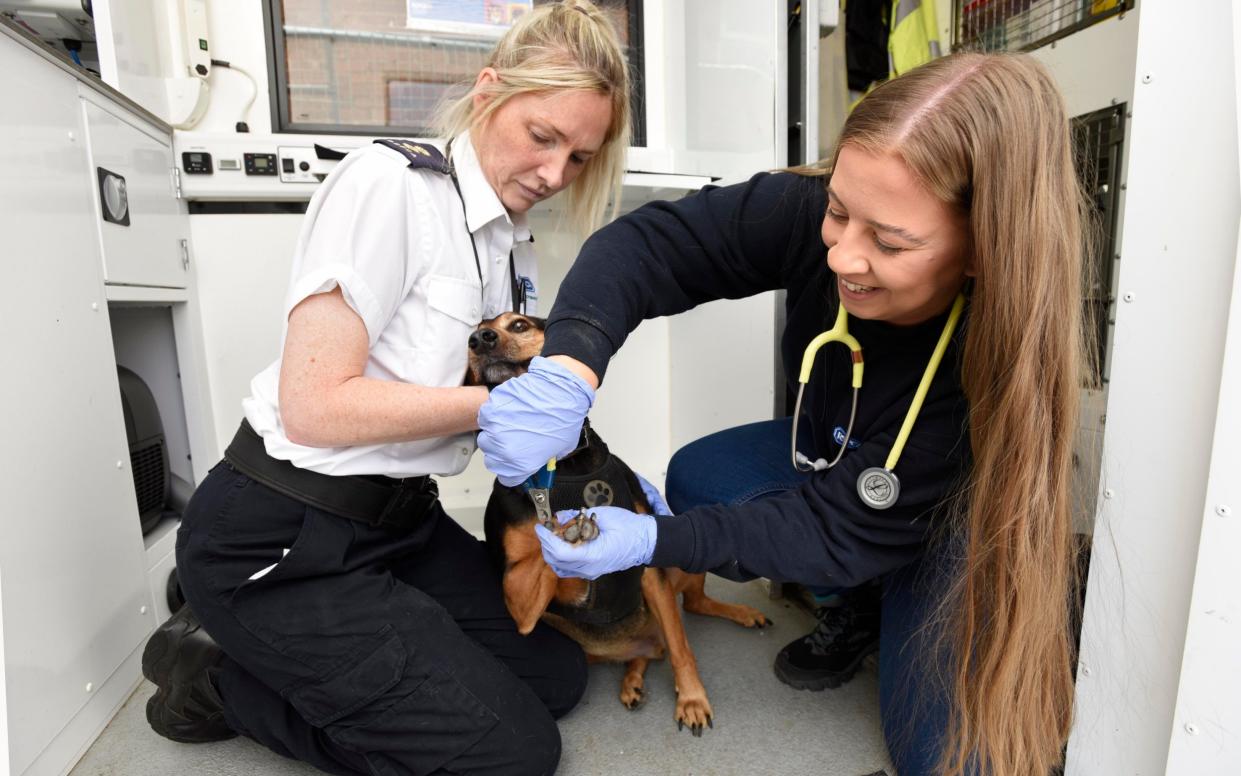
(528, 589)
(529, 583)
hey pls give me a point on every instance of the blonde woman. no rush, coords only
(359, 628)
(954, 182)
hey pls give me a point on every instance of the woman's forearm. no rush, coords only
(366, 411)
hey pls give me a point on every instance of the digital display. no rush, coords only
(196, 162)
(260, 164)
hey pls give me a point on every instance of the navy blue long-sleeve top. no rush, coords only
(732, 242)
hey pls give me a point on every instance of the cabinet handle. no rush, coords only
(185, 254)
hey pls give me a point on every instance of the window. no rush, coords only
(381, 67)
(1099, 139)
(1022, 25)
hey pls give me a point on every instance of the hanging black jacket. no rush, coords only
(740, 240)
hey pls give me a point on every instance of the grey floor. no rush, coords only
(761, 726)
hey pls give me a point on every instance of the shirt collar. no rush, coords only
(482, 204)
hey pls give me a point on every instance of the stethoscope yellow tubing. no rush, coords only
(929, 374)
(840, 333)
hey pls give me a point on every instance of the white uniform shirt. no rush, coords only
(394, 240)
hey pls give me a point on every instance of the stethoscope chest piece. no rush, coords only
(878, 487)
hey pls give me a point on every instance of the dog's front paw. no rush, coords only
(695, 713)
(631, 694)
(582, 528)
(750, 617)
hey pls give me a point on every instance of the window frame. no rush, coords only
(277, 82)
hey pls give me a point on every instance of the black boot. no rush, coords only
(179, 658)
(830, 655)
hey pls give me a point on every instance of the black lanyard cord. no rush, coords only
(517, 291)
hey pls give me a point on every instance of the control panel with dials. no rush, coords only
(251, 167)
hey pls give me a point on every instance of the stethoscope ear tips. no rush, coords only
(806, 465)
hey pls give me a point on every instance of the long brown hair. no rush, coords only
(564, 45)
(988, 134)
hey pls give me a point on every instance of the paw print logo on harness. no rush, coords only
(597, 493)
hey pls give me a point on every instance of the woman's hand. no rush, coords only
(653, 496)
(625, 539)
(531, 419)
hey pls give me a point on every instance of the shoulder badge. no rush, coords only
(421, 156)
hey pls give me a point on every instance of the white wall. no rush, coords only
(242, 265)
(1175, 282)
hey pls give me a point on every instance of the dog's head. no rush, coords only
(502, 347)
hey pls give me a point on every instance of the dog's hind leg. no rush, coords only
(631, 684)
(692, 707)
(698, 602)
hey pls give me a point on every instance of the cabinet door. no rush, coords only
(71, 554)
(141, 222)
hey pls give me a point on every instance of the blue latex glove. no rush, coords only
(625, 539)
(532, 418)
(653, 495)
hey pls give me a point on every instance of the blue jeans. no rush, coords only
(750, 462)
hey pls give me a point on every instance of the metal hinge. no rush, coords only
(176, 182)
(185, 254)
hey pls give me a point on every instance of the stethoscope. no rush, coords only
(877, 486)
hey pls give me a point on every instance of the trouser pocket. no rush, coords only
(422, 732)
(353, 685)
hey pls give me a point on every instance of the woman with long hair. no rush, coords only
(353, 624)
(949, 220)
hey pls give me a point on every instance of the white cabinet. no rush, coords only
(76, 573)
(71, 554)
(142, 227)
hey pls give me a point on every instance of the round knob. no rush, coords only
(115, 197)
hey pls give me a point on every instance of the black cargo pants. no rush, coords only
(364, 651)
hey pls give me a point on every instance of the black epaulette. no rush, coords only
(421, 156)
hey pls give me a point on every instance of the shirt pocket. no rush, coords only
(453, 313)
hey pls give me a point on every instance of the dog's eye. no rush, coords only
(519, 326)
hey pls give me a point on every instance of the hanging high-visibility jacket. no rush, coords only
(912, 35)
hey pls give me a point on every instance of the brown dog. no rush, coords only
(629, 616)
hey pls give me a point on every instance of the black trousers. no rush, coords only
(364, 651)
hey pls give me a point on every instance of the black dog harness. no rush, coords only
(611, 597)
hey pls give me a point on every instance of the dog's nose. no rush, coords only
(483, 339)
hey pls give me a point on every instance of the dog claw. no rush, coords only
(589, 529)
(710, 723)
(680, 726)
(696, 730)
